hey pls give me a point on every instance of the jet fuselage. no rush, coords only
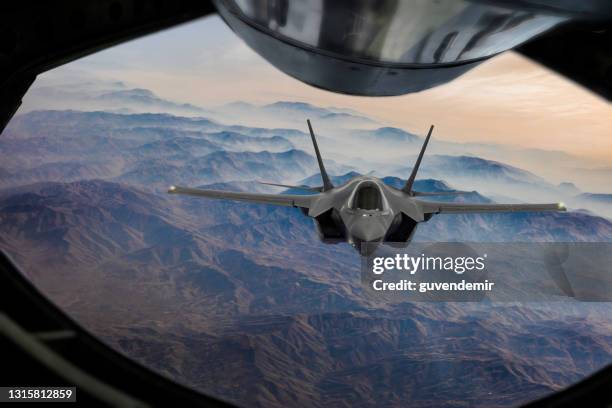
(365, 210)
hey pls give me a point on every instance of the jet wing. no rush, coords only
(430, 207)
(302, 201)
(439, 193)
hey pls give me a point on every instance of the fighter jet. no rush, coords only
(365, 210)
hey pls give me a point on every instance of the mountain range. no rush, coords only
(243, 301)
(291, 112)
(249, 290)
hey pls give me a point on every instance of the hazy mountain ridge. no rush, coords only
(478, 167)
(288, 111)
(107, 96)
(141, 145)
(603, 198)
(387, 135)
(147, 100)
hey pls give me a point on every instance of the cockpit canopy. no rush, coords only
(368, 197)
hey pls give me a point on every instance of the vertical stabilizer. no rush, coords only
(408, 187)
(327, 184)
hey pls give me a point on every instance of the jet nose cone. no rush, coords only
(368, 229)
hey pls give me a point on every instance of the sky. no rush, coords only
(508, 99)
